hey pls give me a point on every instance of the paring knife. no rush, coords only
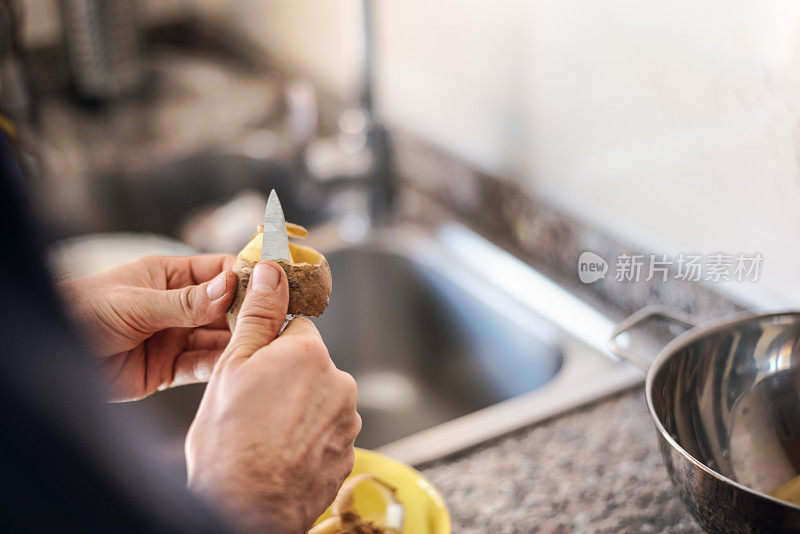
(276, 243)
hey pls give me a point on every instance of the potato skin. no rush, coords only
(309, 287)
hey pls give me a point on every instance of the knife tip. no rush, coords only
(273, 199)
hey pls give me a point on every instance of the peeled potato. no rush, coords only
(308, 273)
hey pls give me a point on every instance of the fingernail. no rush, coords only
(216, 288)
(202, 371)
(266, 277)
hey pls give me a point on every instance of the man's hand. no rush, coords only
(156, 322)
(273, 438)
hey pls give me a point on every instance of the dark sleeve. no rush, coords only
(65, 465)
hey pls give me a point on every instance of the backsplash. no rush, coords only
(541, 235)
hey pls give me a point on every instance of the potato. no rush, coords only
(308, 273)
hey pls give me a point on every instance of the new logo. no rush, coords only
(591, 267)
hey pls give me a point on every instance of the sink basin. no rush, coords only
(448, 351)
(423, 347)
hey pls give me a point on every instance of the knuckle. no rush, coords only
(314, 346)
(260, 307)
(314, 352)
(154, 266)
(349, 461)
(236, 350)
(186, 304)
(357, 424)
(145, 261)
(255, 321)
(349, 387)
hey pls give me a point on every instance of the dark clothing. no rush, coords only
(65, 464)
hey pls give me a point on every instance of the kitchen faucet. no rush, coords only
(357, 157)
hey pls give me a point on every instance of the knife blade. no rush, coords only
(275, 245)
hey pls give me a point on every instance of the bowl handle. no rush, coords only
(645, 314)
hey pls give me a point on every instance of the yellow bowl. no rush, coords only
(424, 509)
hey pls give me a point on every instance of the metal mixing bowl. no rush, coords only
(725, 398)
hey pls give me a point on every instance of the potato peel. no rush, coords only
(295, 230)
(308, 273)
(346, 517)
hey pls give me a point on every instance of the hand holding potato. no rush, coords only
(273, 438)
(156, 322)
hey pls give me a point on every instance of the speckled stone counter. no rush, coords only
(597, 469)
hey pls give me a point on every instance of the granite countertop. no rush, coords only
(597, 469)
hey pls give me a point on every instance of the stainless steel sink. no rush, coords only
(451, 340)
(423, 346)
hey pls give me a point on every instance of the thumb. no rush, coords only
(263, 311)
(188, 306)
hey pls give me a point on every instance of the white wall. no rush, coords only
(673, 124)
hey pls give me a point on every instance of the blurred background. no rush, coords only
(671, 125)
